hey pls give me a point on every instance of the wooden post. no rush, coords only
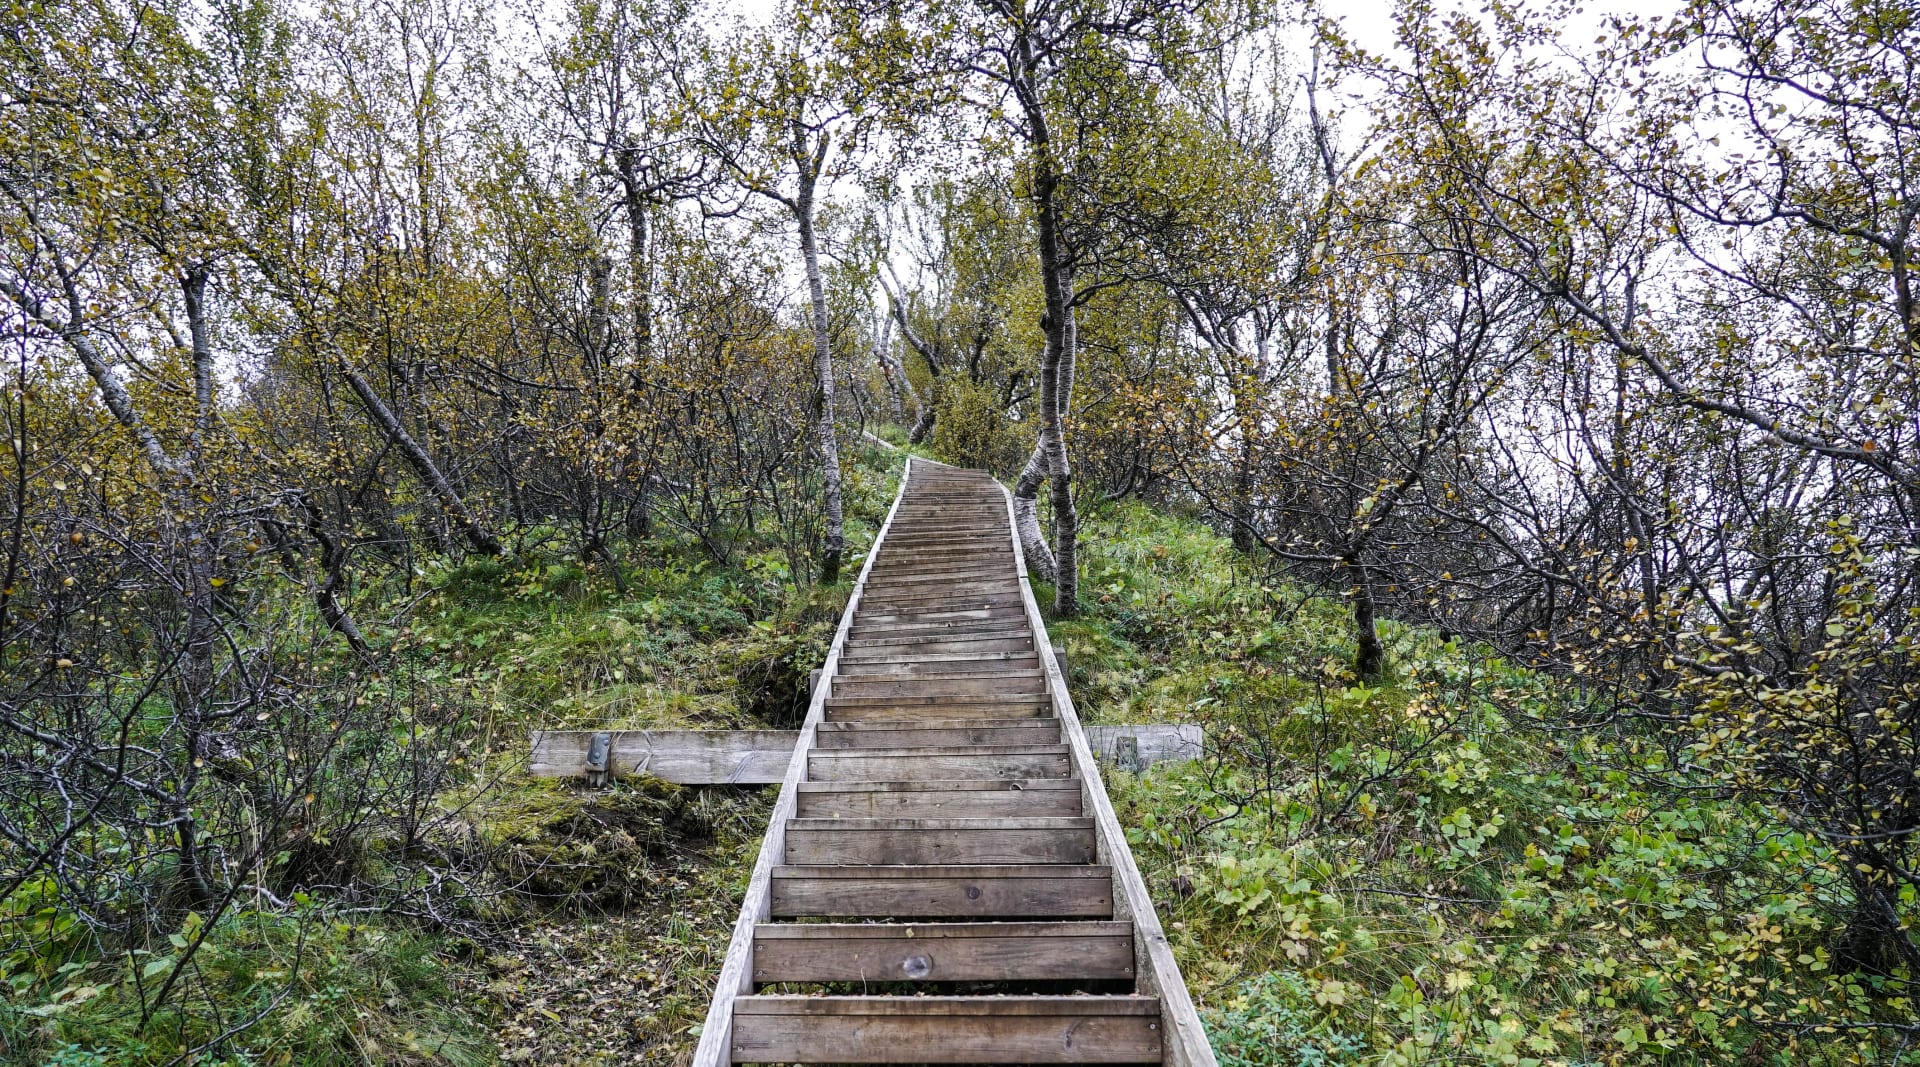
(599, 758)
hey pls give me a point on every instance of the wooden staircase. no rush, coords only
(943, 880)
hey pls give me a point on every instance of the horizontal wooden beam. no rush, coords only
(689, 757)
(760, 757)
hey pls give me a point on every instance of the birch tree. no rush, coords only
(783, 118)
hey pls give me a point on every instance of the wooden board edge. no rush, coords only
(736, 972)
(1186, 1043)
(759, 749)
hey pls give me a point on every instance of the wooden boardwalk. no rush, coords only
(943, 880)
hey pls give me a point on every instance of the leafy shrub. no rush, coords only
(1270, 1021)
(1422, 869)
(973, 429)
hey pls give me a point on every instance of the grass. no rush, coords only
(610, 909)
(1412, 871)
(1422, 869)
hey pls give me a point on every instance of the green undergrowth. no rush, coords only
(691, 641)
(1423, 869)
(592, 920)
(300, 985)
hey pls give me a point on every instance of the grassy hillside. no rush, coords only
(1418, 871)
(594, 919)
(1425, 870)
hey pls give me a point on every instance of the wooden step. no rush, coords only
(920, 713)
(865, 631)
(925, 559)
(942, 952)
(919, 579)
(922, 580)
(920, 640)
(934, 545)
(1029, 891)
(894, 842)
(963, 798)
(920, 611)
(1011, 700)
(912, 666)
(913, 528)
(946, 609)
(934, 764)
(1023, 683)
(946, 549)
(955, 1030)
(1004, 604)
(948, 524)
(1012, 639)
(977, 592)
(929, 612)
(992, 564)
(938, 733)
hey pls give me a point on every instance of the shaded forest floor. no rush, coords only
(1429, 868)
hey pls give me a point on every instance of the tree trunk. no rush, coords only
(333, 561)
(194, 697)
(824, 430)
(1243, 493)
(1026, 517)
(1874, 939)
(639, 260)
(1056, 394)
(1057, 358)
(1243, 501)
(923, 425)
(1369, 655)
(476, 534)
(898, 387)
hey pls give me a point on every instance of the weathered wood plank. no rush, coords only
(949, 588)
(1008, 641)
(942, 952)
(1146, 745)
(982, 892)
(939, 841)
(1030, 1030)
(909, 765)
(1008, 700)
(864, 685)
(946, 733)
(896, 712)
(760, 757)
(957, 611)
(960, 663)
(954, 799)
(937, 579)
(884, 627)
(741, 757)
